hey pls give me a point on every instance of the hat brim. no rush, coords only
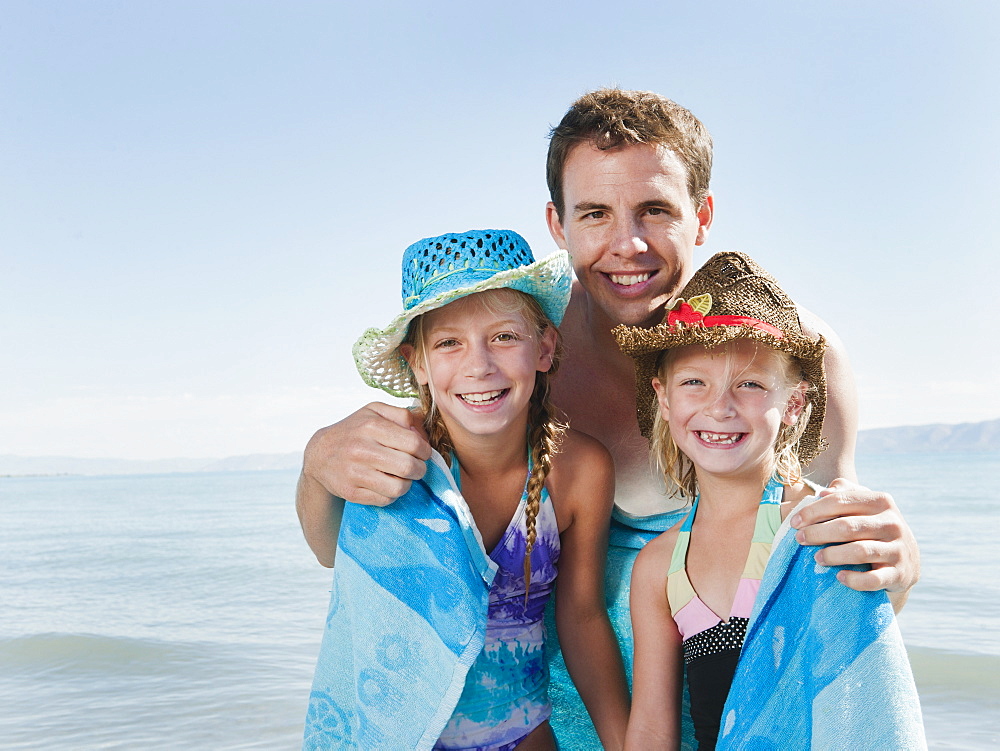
(645, 346)
(376, 352)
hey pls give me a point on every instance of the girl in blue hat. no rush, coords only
(435, 637)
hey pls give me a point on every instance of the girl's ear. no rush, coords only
(661, 397)
(409, 354)
(546, 349)
(796, 403)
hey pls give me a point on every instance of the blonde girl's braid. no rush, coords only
(545, 434)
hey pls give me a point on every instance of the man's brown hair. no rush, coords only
(608, 118)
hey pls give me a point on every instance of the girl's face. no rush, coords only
(479, 362)
(726, 405)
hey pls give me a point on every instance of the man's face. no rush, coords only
(630, 226)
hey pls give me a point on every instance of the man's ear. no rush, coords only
(706, 212)
(797, 401)
(547, 349)
(661, 397)
(555, 225)
(409, 354)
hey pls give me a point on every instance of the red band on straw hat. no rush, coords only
(687, 315)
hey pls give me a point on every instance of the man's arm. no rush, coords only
(840, 423)
(861, 526)
(369, 457)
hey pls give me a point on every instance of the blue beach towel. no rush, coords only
(823, 666)
(407, 619)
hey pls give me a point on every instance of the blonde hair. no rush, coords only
(545, 430)
(678, 470)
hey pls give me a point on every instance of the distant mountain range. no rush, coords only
(972, 437)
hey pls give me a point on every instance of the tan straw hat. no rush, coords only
(730, 297)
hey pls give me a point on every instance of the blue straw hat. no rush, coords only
(440, 270)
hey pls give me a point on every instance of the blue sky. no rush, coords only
(202, 204)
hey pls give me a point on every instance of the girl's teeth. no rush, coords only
(629, 280)
(724, 438)
(483, 398)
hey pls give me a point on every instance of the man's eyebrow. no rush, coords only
(585, 207)
(658, 203)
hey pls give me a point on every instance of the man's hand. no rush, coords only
(862, 527)
(369, 457)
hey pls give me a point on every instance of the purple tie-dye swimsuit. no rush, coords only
(506, 691)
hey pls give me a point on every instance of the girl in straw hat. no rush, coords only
(521, 495)
(731, 395)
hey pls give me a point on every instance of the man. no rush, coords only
(628, 176)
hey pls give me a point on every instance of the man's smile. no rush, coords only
(629, 280)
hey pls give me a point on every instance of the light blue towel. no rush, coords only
(407, 619)
(823, 666)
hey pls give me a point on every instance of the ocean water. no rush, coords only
(185, 611)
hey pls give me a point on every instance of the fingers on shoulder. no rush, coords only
(852, 504)
(371, 421)
(861, 552)
(840, 485)
(389, 493)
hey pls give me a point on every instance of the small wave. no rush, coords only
(959, 697)
(90, 691)
(83, 653)
(967, 673)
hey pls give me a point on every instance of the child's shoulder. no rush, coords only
(582, 454)
(583, 471)
(653, 562)
(660, 549)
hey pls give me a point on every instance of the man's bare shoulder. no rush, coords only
(813, 325)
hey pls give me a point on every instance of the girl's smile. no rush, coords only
(484, 398)
(720, 439)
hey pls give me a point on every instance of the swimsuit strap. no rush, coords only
(768, 511)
